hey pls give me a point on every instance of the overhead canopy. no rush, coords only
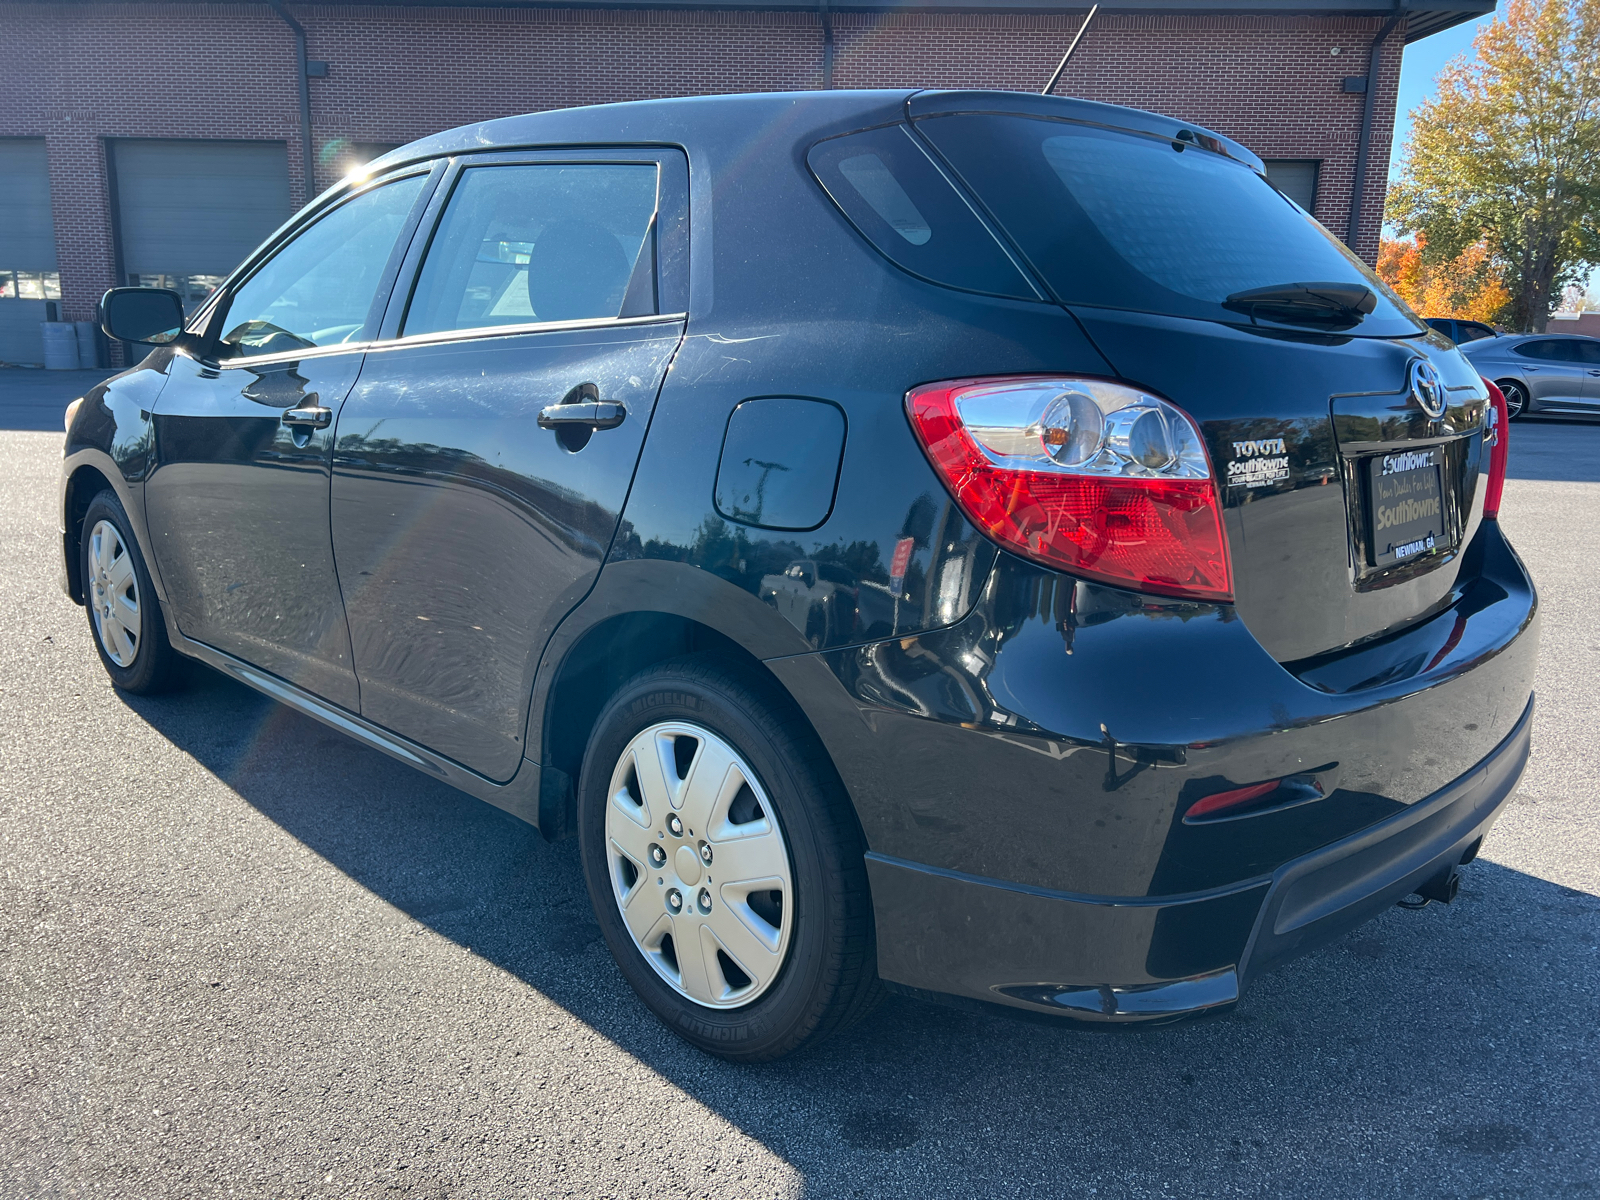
(1423, 17)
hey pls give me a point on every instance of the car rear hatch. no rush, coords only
(1345, 436)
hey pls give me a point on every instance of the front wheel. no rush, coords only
(725, 864)
(1516, 398)
(124, 614)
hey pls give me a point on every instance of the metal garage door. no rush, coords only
(1296, 178)
(189, 211)
(28, 275)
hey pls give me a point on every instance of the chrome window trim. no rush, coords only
(290, 356)
(476, 332)
(448, 335)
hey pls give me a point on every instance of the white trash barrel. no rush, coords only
(88, 351)
(60, 345)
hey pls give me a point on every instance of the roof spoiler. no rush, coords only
(1082, 112)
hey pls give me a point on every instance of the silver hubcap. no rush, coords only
(698, 865)
(113, 594)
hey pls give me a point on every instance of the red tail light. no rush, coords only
(1086, 476)
(1495, 438)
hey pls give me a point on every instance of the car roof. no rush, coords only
(1507, 340)
(754, 122)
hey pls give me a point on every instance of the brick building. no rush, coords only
(157, 142)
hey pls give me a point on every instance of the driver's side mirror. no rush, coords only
(150, 316)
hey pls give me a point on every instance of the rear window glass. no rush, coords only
(1125, 220)
(902, 203)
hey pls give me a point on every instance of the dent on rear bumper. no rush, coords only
(1022, 777)
(1111, 959)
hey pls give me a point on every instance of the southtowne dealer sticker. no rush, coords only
(1258, 463)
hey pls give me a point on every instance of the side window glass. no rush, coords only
(318, 289)
(526, 244)
(1588, 353)
(891, 191)
(1547, 351)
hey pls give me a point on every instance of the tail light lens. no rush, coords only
(1095, 478)
(1495, 439)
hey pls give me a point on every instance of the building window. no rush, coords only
(1296, 178)
(193, 288)
(30, 285)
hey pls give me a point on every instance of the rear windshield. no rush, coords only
(1126, 220)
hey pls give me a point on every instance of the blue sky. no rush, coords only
(1421, 66)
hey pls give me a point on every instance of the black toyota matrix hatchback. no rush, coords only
(988, 545)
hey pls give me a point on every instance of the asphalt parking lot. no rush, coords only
(243, 956)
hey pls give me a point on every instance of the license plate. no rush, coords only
(1405, 505)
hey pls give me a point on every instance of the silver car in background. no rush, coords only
(1541, 373)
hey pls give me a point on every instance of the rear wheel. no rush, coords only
(1516, 398)
(725, 864)
(124, 614)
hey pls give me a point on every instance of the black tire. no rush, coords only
(829, 977)
(153, 666)
(1516, 398)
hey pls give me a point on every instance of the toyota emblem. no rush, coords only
(1426, 387)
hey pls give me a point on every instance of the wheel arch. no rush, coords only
(84, 483)
(611, 637)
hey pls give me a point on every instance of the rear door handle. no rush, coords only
(596, 414)
(316, 417)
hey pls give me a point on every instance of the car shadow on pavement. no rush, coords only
(1458, 1035)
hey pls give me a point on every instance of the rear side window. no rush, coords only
(527, 244)
(902, 203)
(1126, 220)
(1550, 350)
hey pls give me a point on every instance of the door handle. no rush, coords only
(596, 414)
(315, 416)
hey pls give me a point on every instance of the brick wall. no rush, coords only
(79, 74)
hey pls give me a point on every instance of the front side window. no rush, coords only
(1589, 353)
(318, 289)
(524, 244)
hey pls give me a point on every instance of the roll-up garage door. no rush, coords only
(1296, 178)
(28, 275)
(189, 211)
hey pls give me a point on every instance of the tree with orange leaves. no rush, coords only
(1468, 287)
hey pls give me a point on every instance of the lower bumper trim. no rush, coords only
(1144, 1004)
(1123, 960)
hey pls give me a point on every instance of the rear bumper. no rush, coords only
(1129, 960)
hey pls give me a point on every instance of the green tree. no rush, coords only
(1509, 153)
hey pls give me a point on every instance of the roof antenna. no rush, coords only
(1076, 38)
